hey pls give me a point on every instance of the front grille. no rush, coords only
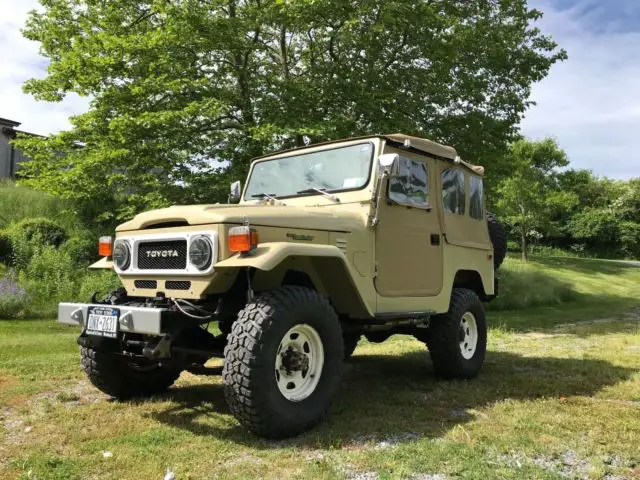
(177, 285)
(145, 284)
(163, 255)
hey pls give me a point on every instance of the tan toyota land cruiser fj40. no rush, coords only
(371, 236)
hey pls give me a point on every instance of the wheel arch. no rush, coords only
(321, 267)
(472, 280)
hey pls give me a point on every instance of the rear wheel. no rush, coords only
(283, 361)
(122, 378)
(457, 340)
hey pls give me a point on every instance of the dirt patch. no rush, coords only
(7, 380)
(22, 413)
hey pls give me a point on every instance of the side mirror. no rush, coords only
(235, 192)
(389, 163)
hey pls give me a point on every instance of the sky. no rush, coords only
(589, 103)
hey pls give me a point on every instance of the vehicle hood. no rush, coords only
(266, 215)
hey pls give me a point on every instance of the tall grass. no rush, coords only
(523, 285)
(17, 203)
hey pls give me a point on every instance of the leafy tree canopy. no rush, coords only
(185, 92)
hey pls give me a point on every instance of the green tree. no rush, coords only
(531, 196)
(608, 224)
(185, 93)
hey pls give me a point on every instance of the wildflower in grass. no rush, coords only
(13, 298)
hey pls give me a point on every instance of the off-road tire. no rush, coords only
(350, 343)
(443, 340)
(250, 384)
(498, 238)
(115, 376)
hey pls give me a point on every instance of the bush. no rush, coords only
(82, 249)
(49, 277)
(13, 299)
(513, 246)
(101, 281)
(48, 231)
(525, 285)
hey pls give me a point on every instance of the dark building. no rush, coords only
(10, 156)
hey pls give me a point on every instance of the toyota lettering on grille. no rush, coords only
(162, 253)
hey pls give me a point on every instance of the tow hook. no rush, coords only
(161, 350)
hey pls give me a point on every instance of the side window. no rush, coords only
(411, 186)
(453, 191)
(476, 197)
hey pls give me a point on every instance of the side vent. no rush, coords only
(145, 284)
(177, 285)
(341, 243)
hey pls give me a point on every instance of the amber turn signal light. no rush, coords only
(105, 246)
(242, 239)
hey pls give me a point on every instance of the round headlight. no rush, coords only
(200, 253)
(122, 254)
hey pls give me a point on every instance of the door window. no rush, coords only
(411, 186)
(453, 196)
(476, 198)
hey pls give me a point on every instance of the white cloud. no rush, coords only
(20, 61)
(591, 103)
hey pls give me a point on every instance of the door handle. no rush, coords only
(435, 239)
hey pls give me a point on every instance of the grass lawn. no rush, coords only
(559, 397)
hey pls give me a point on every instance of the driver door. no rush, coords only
(408, 236)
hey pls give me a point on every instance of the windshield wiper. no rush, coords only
(270, 196)
(322, 191)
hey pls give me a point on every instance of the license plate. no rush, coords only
(103, 321)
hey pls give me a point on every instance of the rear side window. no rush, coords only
(476, 196)
(453, 197)
(411, 186)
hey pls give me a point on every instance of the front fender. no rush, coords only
(269, 255)
(326, 263)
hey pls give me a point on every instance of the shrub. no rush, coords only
(513, 246)
(13, 298)
(49, 277)
(49, 231)
(101, 281)
(83, 250)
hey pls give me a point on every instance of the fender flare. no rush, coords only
(270, 255)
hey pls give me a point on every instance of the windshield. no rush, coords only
(332, 170)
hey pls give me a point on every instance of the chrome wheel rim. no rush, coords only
(299, 362)
(468, 335)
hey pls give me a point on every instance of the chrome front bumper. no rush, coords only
(132, 319)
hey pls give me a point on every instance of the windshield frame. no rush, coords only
(298, 153)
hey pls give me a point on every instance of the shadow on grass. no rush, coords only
(398, 398)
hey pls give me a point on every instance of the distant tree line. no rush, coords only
(546, 204)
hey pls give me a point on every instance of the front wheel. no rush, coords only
(283, 362)
(457, 339)
(121, 378)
